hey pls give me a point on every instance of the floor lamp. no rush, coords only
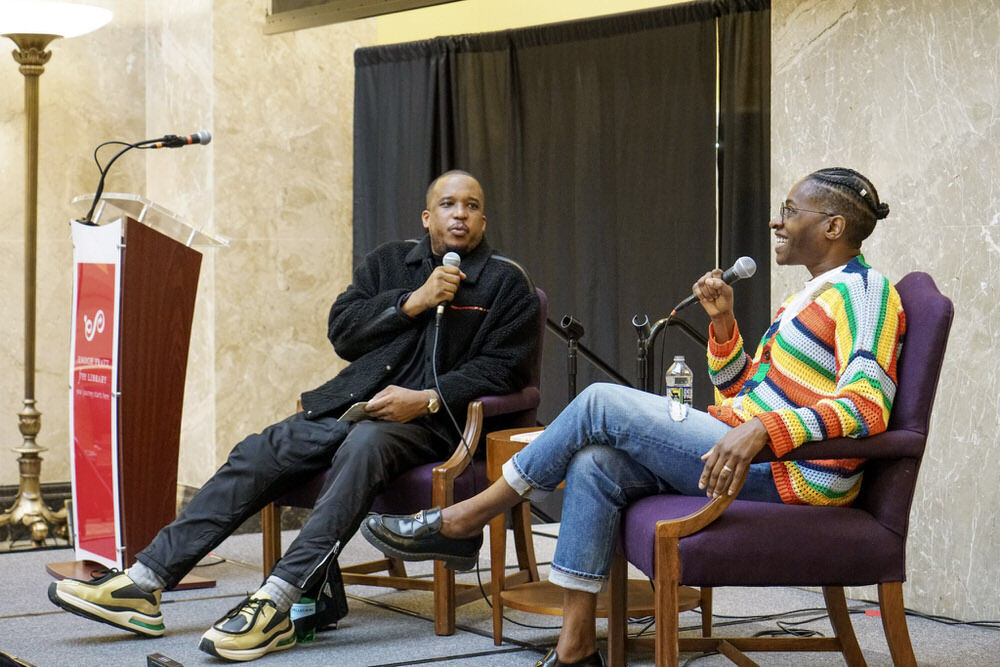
(32, 25)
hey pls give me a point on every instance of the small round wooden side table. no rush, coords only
(524, 590)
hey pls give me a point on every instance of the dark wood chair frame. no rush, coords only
(897, 443)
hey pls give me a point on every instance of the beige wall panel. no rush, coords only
(283, 193)
(92, 90)
(180, 100)
(906, 92)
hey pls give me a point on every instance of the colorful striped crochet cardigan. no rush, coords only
(830, 372)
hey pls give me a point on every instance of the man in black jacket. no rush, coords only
(385, 324)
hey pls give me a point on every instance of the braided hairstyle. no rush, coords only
(852, 196)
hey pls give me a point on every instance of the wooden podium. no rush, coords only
(125, 471)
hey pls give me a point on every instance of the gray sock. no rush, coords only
(281, 592)
(145, 578)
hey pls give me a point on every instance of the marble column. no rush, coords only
(905, 91)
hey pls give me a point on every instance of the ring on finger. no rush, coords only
(726, 468)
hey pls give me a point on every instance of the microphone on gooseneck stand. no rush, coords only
(173, 141)
(167, 141)
(744, 267)
(451, 258)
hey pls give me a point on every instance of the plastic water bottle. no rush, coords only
(303, 615)
(679, 381)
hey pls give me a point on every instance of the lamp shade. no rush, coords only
(41, 17)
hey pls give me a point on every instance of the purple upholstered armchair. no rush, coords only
(434, 484)
(688, 540)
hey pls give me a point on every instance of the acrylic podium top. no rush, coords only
(112, 204)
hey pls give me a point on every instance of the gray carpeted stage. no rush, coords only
(387, 627)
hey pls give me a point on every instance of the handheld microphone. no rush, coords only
(744, 267)
(451, 258)
(174, 141)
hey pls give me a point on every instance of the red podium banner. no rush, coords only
(93, 395)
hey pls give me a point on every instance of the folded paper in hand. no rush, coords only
(355, 413)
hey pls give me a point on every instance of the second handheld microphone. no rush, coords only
(742, 268)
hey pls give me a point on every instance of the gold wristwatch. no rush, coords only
(433, 405)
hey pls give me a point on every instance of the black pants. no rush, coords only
(364, 457)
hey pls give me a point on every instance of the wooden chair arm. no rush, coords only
(692, 523)
(442, 492)
(890, 444)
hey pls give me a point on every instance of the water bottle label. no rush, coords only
(683, 394)
(302, 609)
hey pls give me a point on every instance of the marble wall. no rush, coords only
(180, 99)
(906, 92)
(276, 180)
(92, 90)
(284, 108)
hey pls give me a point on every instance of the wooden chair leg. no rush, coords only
(524, 544)
(897, 635)
(706, 611)
(270, 529)
(397, 568)
(667, 601)
(618, 612)
(840, 619)
(498, 553)
(444, 600)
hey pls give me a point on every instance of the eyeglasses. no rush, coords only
(784, 211)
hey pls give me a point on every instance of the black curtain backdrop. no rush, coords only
(595, 142)
(745, 159)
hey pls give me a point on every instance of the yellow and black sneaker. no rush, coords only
(251, 629)
(113, 599)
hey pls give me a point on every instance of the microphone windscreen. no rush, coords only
(204, 137)
(744, 267)
(452, 258)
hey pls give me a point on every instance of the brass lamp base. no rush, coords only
(29, 517)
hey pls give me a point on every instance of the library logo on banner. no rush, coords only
(92, 327)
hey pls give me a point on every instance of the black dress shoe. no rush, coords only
(551, 660)
(418, 537)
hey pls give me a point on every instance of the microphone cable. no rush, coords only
(167, 141)
(103, 170)
(444, 403)
(468, 454)
(475, 486)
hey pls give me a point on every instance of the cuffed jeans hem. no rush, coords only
(517, 481)
(575, 582)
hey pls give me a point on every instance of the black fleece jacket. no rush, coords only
(487, 344)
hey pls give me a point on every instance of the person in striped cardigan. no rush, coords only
(825, 367)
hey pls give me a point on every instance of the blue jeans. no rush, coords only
(614, 445)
